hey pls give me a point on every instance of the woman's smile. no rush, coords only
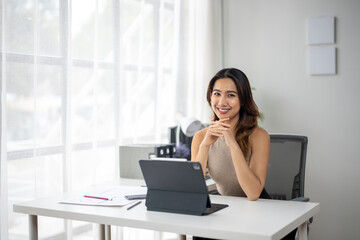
(223, 110)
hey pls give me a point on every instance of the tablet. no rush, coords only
(176, 186)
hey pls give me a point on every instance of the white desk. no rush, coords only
(243, 219)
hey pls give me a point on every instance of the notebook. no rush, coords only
(177, 187)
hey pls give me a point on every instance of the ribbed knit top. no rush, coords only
(222, 171)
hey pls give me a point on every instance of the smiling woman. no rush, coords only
(234, 148)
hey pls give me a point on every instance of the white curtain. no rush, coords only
(3, 163)
(200, 55)
(3, 159)
(80, 77)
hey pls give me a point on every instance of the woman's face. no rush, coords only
(225, 100)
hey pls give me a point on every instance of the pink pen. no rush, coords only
(103, 198)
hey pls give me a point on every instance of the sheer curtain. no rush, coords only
(3, 160)
(3, 163)
(200, 55)
(80, 77)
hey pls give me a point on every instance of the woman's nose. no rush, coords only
(222, 100)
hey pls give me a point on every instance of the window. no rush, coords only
(80, 77)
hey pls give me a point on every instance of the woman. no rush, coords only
(234, 148)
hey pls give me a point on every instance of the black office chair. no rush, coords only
(286, 171)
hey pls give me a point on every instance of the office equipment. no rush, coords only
(189, 125)
(134, 205)
(178, 137)
(135, 197)
(182, 134)
(131, 154)
(177, 187)
(263, 219)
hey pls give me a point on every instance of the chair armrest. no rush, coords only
(301, 199)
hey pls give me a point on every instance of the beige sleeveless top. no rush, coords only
(222, 171)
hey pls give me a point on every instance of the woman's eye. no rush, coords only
(231, 95)
(216, 94)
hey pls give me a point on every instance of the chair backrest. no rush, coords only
(286, 171)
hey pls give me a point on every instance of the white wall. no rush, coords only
(267, 40)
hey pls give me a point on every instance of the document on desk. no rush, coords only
(110, 196)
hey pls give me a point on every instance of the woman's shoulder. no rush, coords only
(200, 134)
(259, 134)
(198, 138)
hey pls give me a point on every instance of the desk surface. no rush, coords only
(243, 219)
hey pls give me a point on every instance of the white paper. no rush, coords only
(116, 194)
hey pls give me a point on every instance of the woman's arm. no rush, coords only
(204, 139)
(251, 178)
(199, 152)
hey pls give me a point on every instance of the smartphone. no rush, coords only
(135, 196)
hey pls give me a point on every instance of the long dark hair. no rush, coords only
(248, 114)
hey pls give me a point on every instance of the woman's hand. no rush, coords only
(217, 129)
(228, 133)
